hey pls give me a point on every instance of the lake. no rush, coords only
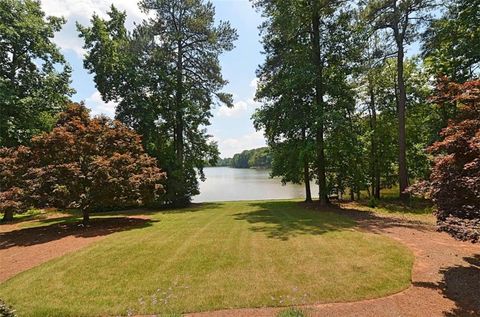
(227, 184)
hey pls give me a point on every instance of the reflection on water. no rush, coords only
(226, 184)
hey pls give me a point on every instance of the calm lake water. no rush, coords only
(227, 184)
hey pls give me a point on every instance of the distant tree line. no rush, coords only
(255, 158)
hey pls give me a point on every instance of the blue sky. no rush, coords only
(231, 128)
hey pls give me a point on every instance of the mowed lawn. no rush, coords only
(216, 256)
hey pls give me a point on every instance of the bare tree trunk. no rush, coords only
(8, 215)
(306, 177)
(402, 142)
(179, 108)
(306, 172)
(321, 173)
(86, 216)
(375, 172)
(180, 196)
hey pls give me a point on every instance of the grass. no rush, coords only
(291, 312)
(216, 256)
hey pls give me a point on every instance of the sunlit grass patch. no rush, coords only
(216, 256)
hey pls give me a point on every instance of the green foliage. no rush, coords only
(256, 158)
(372, 202)
(452, 42)
(303, 84)
(34, 77)
(166, 76)
(224, 162)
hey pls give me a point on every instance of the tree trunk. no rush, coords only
(180, 190)
(306, 172)
(86, 216)
(8, 215)
(402, 142)
(375, 172)
(179, 108)
(352, 196)
(306, 179)
(321, 174)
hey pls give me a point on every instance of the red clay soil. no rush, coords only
(24, 248)
(445, 277)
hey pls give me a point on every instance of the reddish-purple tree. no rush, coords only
(12, 170)
(82, 163)
(455, 178)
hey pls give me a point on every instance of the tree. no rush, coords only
(309, 48)
(403, 19)
(12, 170)
(255, 158)
(452, 42)
(166, 77)
(82, 163)
(32, 89)
(455, 178)
(284, 89)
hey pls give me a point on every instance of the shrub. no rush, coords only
(372, 203)
(291, 312)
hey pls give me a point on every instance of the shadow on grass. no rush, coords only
(461, 284)
(283, 220)
(69, 227)
(415, 206)
(194, 207)
(74, 215)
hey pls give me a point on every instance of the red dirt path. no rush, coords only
(25, 248)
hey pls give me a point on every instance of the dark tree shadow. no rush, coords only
(282, 220)
(460, 284)
(193, 207)
(69, 227)
(371, 221)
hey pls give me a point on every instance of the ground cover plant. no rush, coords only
(215, 256)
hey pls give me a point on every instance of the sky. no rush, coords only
(232, 128)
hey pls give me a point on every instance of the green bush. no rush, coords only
(372, 203)
(291, 312)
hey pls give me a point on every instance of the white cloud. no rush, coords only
(237, 109)
(231, 146)
(99, 106)
(85, 8)
(82, 10)
(254, 83)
